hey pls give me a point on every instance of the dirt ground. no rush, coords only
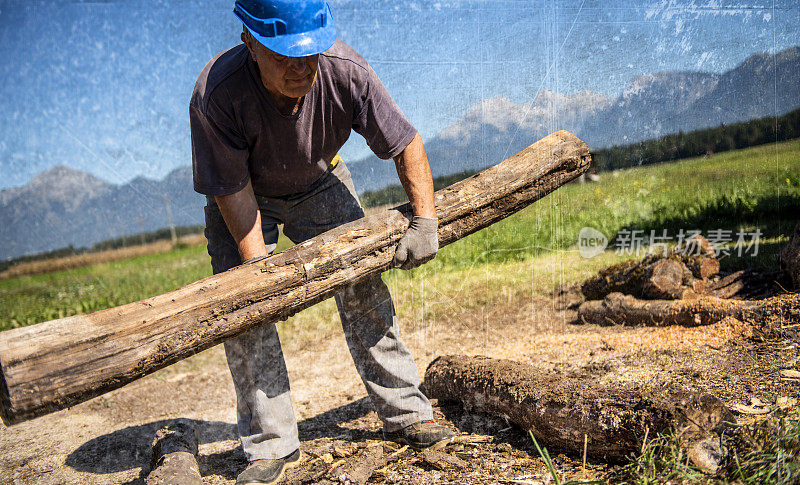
(107, 440)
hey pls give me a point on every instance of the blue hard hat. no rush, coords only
(290, 28)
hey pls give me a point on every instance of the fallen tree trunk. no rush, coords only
(619, 309)
(56, 364)
(561, 409)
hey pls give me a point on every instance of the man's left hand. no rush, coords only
(418, 245)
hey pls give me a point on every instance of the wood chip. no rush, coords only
(473, 438)
(397, 453)
(521, 482)
(785, 402)
(742, 409)
(340, 452)
(441, 460)
(790, 374)
(358, 468)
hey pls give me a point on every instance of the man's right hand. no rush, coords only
(418, 245)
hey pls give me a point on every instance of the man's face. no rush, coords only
(284, 77)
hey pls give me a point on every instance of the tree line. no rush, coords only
(700, 142)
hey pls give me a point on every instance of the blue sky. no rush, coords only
(103, 86)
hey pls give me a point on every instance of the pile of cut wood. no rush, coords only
(683, 286)
(587, 411)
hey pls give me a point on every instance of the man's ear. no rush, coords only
(248, 42)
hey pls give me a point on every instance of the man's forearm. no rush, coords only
(415, 175)
(241, 214)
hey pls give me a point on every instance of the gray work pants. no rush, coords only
(266, 421)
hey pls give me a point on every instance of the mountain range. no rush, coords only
(650, 106)
(63, 206)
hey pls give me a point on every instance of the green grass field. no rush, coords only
(756, 188)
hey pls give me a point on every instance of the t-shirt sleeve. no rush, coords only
(219, 151)
(378, 118)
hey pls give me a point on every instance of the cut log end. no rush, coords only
(708, 267)
(666, 280)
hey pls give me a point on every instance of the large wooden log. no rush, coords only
(56, 364)
(562, 409)
(620, 309)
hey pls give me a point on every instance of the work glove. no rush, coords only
(418, 245)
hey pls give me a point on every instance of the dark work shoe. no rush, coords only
(425, 434)
(268, 471)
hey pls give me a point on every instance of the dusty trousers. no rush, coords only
(266, 420)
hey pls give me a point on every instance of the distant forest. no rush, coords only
(700, 142)
(664, 149)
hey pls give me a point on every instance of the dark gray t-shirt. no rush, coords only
(238, 134)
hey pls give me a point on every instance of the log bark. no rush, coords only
(789, 257)
(619, 309)
(56, 364)
(561, 409)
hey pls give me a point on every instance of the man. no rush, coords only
(268, 118)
